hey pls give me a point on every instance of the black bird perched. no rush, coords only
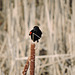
(35, 34)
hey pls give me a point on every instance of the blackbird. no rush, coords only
(35, 34)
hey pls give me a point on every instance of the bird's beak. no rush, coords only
(30, 33)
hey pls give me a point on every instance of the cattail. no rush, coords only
(32, 59)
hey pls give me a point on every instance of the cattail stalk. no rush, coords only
(26, 67)
(32, 60)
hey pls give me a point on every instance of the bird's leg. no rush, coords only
(37, 40)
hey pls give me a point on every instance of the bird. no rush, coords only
(35, 34)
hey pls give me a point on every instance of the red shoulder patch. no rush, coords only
(30, 33)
